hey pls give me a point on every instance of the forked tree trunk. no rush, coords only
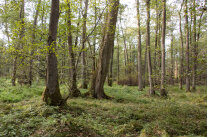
(151, 90)
(84, 68)
(187, 49)
(139, 59)
(74, 92)
(51, 95)
(105, 52)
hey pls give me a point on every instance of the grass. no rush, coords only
(129, 113)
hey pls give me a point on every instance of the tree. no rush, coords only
(187, 48)
(163, 91)
(139, 57)
(151, 90)
(84, 69)
(33, 42)
(74, 92)
(99, 78)
(51, 95)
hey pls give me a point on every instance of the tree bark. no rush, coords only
(51, 95)
(74, 92)
(139, 57)
(194, 48)
(163, 91)
(187, 49)
(181, 52)
(172, 62)
(33, 42)
(151, 90)
(105, 52)
(110, 76)
(84, 68)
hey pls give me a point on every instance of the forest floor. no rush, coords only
(129, 113)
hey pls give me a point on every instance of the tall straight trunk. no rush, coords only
(181, 52)
(78, 24)
(33, 42)
(20, 45)
(51, 95)
(151, 90)
(74, 92)
(187, 48)
(194, 48)
(145, 67)
(110, 76)
(139, 57)
(156, 43)
(118, 67)
(94, 40)
(84, 68)
(163, 91)
(14, 72)
(105, 52)
(172, 62)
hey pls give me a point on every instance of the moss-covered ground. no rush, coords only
(129, 113)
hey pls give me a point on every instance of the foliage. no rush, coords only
(129, 113)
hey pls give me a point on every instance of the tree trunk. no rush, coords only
(163, 91)
(139, 57)
(74, 92)
(118, 67)
(14, 71)
(187, 49)
(182, 52)
(172, 62)
(151, 90)
(194, 48)
(105, 52)
(110, 76)
(84, 68)
(33, 42)
(51, 95)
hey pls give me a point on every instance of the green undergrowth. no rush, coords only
(129, 113)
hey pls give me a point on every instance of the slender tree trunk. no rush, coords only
(172, 62)
(105, 52)
(151, 90)
(118, 67)
(181, 52)
(74, 92)
(33, 42)
(84, 69)
(51, 95)
(14, 71)
(194, 48)
(156, 43)
(139, 59)
(94, 40)
(163, 91)
(187, 49)
(145, 67)
(78, 24)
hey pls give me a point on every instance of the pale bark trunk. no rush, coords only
(51, 95)
(139, 57)
(151, 90)
(172, 62)
(84, 68)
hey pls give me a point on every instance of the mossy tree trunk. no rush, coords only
(99, 78)
(52, 95)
